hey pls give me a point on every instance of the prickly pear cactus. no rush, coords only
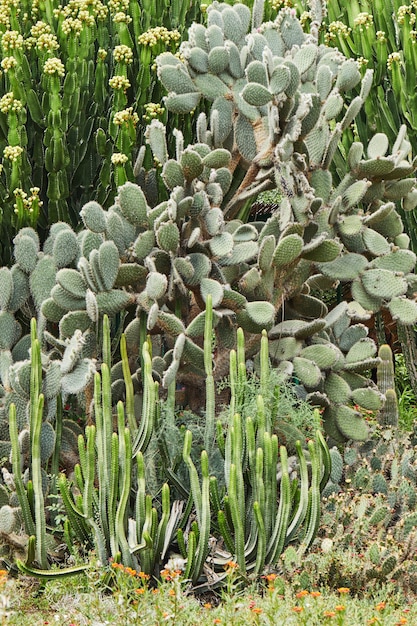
(277, 103)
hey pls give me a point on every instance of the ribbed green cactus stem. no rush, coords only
(324, 454)
(210, 391)
(262, 419)
(140, 495)
(385, 370)
(237, 374)
(270, 479)
(194, 480)
(191, 554)
(40, 521)
(35, 374)
(261, 539)
(278, 536)
(238, 454)
(237, 519)
(225, 531)
(258, 483)
(301, 511)
(17, 474)
(89, 471)
(313, 512)
(47, 574)
(106, 341)
(150, 399)
(385, 377)
(162, 538)
(76, 517)
(130, 399)
(53, 490)
(125, 461)
(103, 453)
(204, 525)
(232, 381)
(264, 365)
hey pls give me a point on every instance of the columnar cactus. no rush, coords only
(277, 114)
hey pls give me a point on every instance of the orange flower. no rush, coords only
(217, 621)
(231, 565)
(297, 609)
(256, 610)
(343, 590)
(340, 608)
(143, 575)
(315, 594)
(329, 614)
(380, 606)
(302, 594)
(140, 590)
(270, 577)
(130, 571)
(402, 621)
(171, 592)
(155, 591)
(207, 605)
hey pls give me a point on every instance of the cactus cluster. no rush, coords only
(158, 261)
(254, 508)
(278, 106)
(370, 503)
(76, 82)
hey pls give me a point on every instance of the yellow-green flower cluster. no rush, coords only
(117, 6)
(86, 17)
(153, 110)
(11, 40)
(413, 36)
(125, 116)
(48, 42)
(9, 103)
(5, 12)
(119, 82)
(363, 20)
(159, 33)
(380, 36)
(278, 4)
(12, 152)
(54, 66)
(120, 17)
(71, 25)
(40, 28)
(394, 57)
(123, 54)
(8, 63)
(118, 158)
(101, 54)
(25, 202)
(402, 12)
(85, 10)
(361, 62)
(305, 17)
(337, 29)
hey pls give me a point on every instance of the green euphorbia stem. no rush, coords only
(130, 398)
(40, 521)
(210, 390)
(17, 474)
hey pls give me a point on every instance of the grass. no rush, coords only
(83, 600)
